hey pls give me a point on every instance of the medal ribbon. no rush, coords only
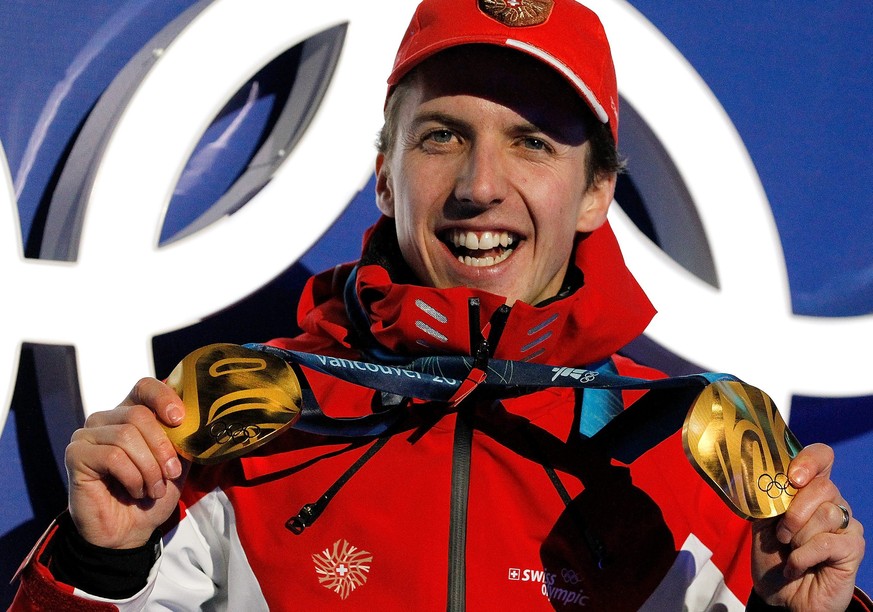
(239, 397)
(451, 378)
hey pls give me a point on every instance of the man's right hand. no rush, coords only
(125, 476)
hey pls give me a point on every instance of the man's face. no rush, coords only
(486, 177)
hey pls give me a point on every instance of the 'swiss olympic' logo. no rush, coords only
(121, 289)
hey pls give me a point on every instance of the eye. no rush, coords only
(535, 144)
(440, 136)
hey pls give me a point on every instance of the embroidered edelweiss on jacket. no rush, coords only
(343, 568)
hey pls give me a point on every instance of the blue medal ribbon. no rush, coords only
(624, 433)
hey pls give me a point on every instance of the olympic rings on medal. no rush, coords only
(846, 516)
(775, 486)
(223, 433)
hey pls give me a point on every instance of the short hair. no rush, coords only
(603, 157)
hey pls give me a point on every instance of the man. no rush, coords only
(495, 172)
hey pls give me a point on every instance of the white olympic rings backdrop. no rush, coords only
(122, 289)
(155, 290)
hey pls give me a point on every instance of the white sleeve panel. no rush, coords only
(693, 583)
(202, 566)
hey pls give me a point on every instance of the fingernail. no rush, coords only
(173, 468)
(799, 476)
(159, 489)
(783, 535)
(174, 413)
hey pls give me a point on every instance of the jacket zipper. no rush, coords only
(481, 348)
(463, 443)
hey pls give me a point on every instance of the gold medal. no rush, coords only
(235, 400)
(737, 440)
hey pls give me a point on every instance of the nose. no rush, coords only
(482, 177)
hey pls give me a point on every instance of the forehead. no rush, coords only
(504, 76)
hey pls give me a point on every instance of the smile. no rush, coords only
(480, 249)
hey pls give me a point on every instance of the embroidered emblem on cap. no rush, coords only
(517, 13)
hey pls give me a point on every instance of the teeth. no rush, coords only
(483, 242)
(481, 262)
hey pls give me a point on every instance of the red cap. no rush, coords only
(561, 33)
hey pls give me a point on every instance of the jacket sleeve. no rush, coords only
(188, 571)
(40, 590)
(204, 564)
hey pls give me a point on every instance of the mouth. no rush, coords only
(480, 249)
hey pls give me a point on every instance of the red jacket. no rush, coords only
(497, 504)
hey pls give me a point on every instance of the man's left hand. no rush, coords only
(807, 559)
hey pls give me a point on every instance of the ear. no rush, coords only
(592, 213)
(384, 191)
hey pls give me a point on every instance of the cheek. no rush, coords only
(411, 219)
(554, 206)
(557, 243)
(407, 210)
(421, 194)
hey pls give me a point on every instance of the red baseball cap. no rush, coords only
(563, 34)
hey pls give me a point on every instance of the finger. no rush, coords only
(88, 462)
(806, 512)
(828, 517)
(160, 398)
(136, 430)
(837, 550)
(813, 461)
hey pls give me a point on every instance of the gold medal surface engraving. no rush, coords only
(737, 440)
(235, 400)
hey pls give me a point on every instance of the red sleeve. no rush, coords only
(38, 591)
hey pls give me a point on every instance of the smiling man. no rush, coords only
(489, 184)
(495, 171)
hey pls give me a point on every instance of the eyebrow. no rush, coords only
(523, 127)
(442, 118)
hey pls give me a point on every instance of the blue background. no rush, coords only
(796, 83)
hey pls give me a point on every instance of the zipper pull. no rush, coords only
(304, 518)
(479, 351)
